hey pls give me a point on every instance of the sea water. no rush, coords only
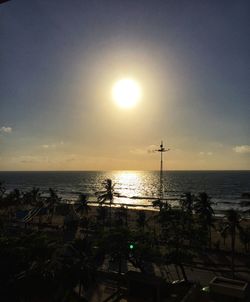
(139, 188)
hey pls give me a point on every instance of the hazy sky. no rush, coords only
(59, 60)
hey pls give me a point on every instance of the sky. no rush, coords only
(60, 59)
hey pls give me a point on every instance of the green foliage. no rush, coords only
(141, 219)
(2, 189)
(158, 203)
(121, 216)
(17, 254)
(107, 195)
(33, 197)
(245, 237)
(102, 214)
(51, 203)
(203, 208)
(10, 200)
(204, 211)
(33, 267)
(83, 206)
(232, 224)
(187, 202)
(114, 242)
(144, 249)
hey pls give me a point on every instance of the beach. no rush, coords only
(218, 242)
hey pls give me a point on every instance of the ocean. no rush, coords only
(138, 188)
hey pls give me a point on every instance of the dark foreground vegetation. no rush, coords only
(45, 258)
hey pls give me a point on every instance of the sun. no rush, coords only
(126, 93)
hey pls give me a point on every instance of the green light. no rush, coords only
(131, 246)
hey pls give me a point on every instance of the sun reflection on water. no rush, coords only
(134, 187)
(128, 182)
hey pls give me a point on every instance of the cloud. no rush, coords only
(5, 129)
(205, 153)
(138, 151)
(149, 149)
(146, 150)
(29, 159)
(53, 146)
(152, 148)
(48, 146)
(70, 158)
(242, 149)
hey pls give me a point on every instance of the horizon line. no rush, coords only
(134, 170)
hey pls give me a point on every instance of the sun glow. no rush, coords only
(126, 93)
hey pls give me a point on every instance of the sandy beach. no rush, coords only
(218, 242)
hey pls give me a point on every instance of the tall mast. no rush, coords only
(161, 150)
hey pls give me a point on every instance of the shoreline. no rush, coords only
(148, 207)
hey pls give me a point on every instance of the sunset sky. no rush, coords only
(60, 59)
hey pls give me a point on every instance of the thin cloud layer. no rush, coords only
(48, 146)
(146, 150)
(5, 129)
(205, 153)
(242, 149)
(52, 146)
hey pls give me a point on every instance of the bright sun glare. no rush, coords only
(126, 93)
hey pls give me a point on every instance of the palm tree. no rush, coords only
(2, 191)
(101, 214)
(17, 257)
(231, 226)
(33, 197)
(87, 265)
(203, 208)
(141, 220)
(177, 232)
(12, 200)
(121, 216)
(14, 197)
(159, 215)
(245, 238)
(143, 249)
(52, 201)
(115, 244)
(223, 233)
(187, 202)
(107, 195)
(83, 207)
(187, 206)
(55, 277)
(158, 203)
